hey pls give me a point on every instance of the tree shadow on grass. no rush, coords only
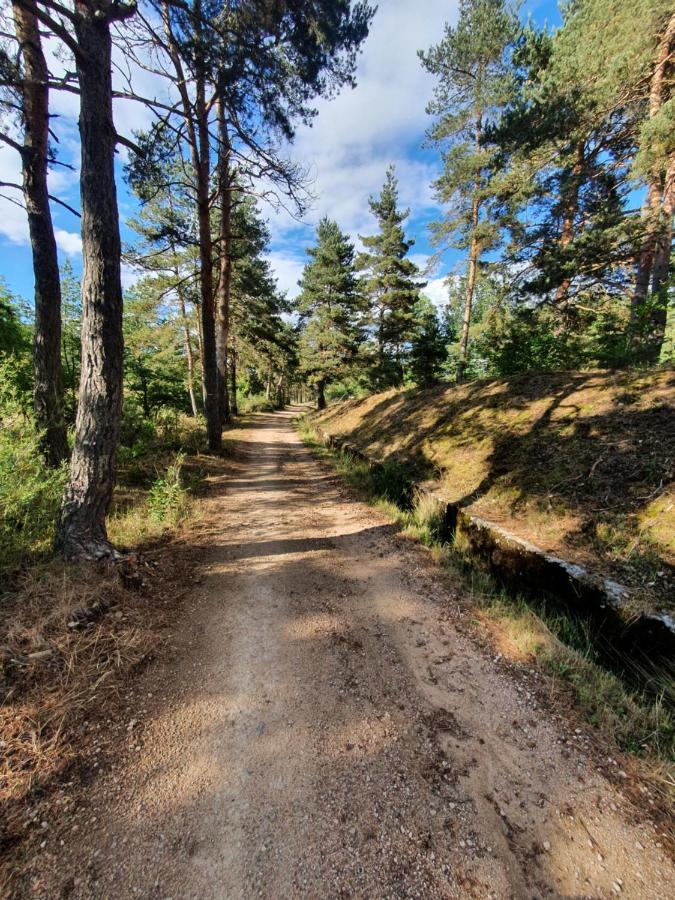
(553, 457)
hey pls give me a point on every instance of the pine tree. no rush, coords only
(389, 283)
(429, 345)
(629, 70)
(474, 84)
(566, 164)
(26, 81)
(330, 308)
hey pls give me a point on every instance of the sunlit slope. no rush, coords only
(580, 463)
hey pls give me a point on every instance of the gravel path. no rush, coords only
(326, 726)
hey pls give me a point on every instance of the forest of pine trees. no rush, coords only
(555, 153)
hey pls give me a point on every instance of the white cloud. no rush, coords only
(356, 135)
(287, 267)
(130, 276)
(437, 291)
(68, 242)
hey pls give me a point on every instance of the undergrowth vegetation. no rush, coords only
(529, 628)
(70, 634)
(30, 493)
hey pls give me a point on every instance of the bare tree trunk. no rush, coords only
(570, 206)
(189, 355)
(197, 127)
(470, 287)
(662, 255)
(200, 348)
(225, 281)
(474, 253)
(234, 408)
(48, 378)
(209, 367)
(81, 531)
(321, 395)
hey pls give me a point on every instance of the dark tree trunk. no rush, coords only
(203, 173)
(474, 255)
(570, 205)
(197, 128)
(234, 409)
(209, 369)
(48, 378)
(225, 280)
(81, 531)
(189, 355)
(321, 395)
(468, 300)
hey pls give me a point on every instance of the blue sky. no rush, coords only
(346, 151)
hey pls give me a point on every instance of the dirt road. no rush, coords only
(327, 726)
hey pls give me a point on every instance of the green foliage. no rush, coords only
(429, 345)
(389, 284)
(527, 339)
(71, 349)
(30, 493)
(330, 307)
(257, 403)
(15, 347)
(167, 498)
(153, 347)
(474, 83)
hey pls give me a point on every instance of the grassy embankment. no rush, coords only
(576, 462)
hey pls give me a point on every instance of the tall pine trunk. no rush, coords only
(234, 408)
(81, 530)
(472, 268)
(189, 355)
(47, 374)
(474, 253)
(225, 280)
(661, 266)
(570, 205)
(209, 366)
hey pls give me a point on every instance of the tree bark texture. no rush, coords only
(470, 287)
(81, 530)
(321, 395)
(189, 354)
(209, 366)
(234, 409)
(570, 204)
(47, 374)
(225, 280)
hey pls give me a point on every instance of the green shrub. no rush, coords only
(257, 403)
(136, 428)
(167, 498)
(30, 493)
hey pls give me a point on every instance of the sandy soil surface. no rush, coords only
(327, 726)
